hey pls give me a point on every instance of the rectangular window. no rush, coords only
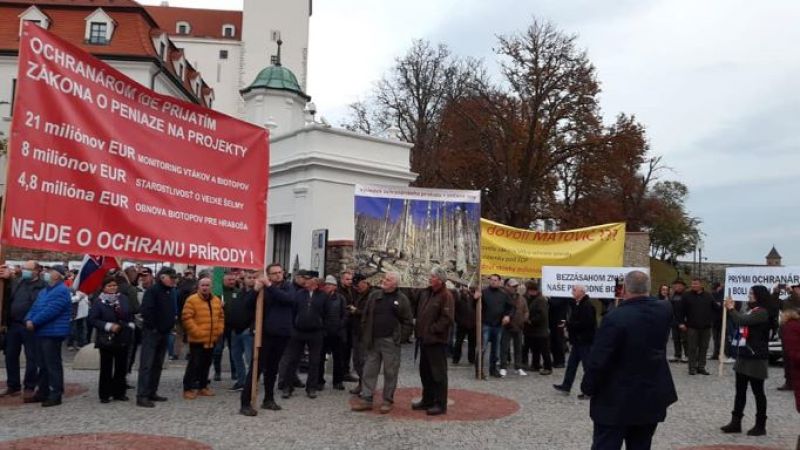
(275, 35)
(227, 32)
(97, 33)
(273, 60)
(223, 54)
(183, 29)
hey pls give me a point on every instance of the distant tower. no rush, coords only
(267, 21)
(773, 257)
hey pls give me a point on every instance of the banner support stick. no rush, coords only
(723, 333)
(255, 368)
(479, 330)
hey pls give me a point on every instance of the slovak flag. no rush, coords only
(93, 270)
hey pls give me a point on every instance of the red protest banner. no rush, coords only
(100, 164)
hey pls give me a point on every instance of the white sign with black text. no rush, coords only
(739, 280)
(600, 282)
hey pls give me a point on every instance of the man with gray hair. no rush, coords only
(580, 326)
(435, 317)
(385, 312)
(627, 373)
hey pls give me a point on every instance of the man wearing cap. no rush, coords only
(49, 318)
(435, 317)
(355, 310)
(23, 293)
(335, 329)
(512, 331)
(385, 312)
(159, 313)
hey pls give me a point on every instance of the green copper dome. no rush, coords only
(279, 78)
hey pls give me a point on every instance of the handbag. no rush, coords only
(107, 340)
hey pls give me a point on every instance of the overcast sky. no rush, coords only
(715, 83)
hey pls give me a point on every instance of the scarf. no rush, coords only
(112, 300)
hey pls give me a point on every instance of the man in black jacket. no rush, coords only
(159, 313)
(497, 308)
(580, 326)
(697, 317)
(678, 335)
(557, 316)
(239, 319)
(335, 330)
(627, 374)
(23, 293)
(310, 309)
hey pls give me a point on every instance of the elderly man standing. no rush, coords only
(49, 318)
(435, 317)
(204, 321)
(384, 314)
(24, 292)
(627, 373)
(581, 327)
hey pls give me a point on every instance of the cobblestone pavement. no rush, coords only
(544, 420)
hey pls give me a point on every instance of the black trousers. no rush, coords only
(294, 351)
(196, 375)
(635, 437)
(461, 334)
(113, 368)
(151, 361)
(557, 344)
(137, 339)
(757, 386)
(539, 350)
(269, 359)
(347, 350)
(334, 346)
(433, 374)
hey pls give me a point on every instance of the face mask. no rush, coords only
(27, 274)
(46, 277)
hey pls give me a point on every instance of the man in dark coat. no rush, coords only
(678, 335)
(435, 317)
(581, 327)
(627, 374)
(558, 310)
(465, 325)
(159, 313)
(697, 318)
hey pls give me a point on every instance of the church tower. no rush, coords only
(265, 22)
(773, 257)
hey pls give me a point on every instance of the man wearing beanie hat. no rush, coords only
(335, 328)
(49, 318)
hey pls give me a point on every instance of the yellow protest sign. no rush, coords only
(514, 252)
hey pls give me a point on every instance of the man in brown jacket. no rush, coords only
(435, 316)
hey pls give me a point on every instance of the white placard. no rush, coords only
(739, 280)
(557, 281)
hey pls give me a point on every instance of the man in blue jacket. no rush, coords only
(627, 374)
(49, 318)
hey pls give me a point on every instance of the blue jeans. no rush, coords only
(51, 377)
(242, 354)
(18, 337)
(579, 354)
(492, 335)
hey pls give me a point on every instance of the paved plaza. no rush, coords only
(530, 415)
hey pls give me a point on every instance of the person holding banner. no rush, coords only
(581, 326)
(751, 347)
(627, 374)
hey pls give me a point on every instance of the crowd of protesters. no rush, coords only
(360, 329)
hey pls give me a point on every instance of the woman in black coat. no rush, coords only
(111, 316)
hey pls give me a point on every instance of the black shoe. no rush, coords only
(271, 405)
(128, 386)
(236, 387)
(145, 403)
(298, 384)
(785, 387)
(338, 386)
(583, 397)
(157, 398)
(248, 411)
(561, 388)
(495, 374)
(123, 398)
(714, 358)
(105, 400)
(558, 366)
(436, 411)
(286, 394)
(419, 406)
(350, 379)
(703, 372)
(760, 429)
(692, 372)
(312, 394)
(51, 402)
(735, 425)
(33, 399)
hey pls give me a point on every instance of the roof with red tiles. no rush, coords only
(133, 36)
(203, 23)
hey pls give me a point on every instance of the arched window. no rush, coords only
(228, 31)
(183, 27)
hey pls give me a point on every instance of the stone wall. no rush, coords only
(637, 250)
(338, 257)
